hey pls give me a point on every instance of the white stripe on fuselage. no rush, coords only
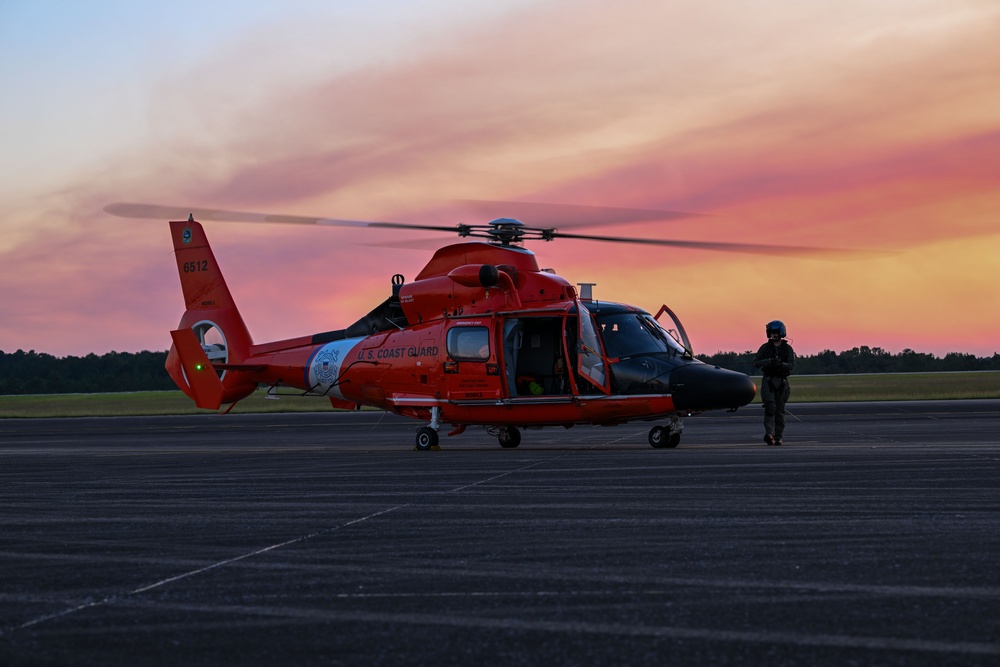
(325, 367)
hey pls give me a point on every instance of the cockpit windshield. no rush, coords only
(631, 334)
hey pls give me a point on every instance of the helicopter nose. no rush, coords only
(703, 387)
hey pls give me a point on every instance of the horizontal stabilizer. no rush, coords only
(343, 404)
(205, 385)
(249, 368)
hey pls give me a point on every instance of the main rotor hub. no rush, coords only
(506, 231)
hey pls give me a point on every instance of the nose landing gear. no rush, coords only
(666, 437)
(509, 437)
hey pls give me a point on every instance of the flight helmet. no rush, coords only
(776, 327)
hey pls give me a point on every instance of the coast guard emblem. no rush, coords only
(326, 366)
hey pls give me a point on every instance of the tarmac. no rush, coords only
(872, 537)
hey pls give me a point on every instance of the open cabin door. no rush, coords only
(591, 364)
(534, 358)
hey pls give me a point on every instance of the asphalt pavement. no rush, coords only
(872, 538)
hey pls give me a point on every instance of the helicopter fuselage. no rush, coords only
(481, 336)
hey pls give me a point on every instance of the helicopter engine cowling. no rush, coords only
(471, 275)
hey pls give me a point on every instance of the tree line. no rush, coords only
(862, 360)
(38, 373)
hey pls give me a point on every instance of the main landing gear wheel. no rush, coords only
(661, 438)
(509, 437)
(427, 439)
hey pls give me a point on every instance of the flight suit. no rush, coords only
(776, 363)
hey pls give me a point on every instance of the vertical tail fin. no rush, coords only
(201, 278)
(212, 315)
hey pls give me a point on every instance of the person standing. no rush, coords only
(775, 359)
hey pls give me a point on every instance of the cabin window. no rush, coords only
(469, 343)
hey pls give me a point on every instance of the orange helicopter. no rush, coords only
(481, 336)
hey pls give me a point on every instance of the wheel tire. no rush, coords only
(673, 441)
(658, 436)
(509, 437)
(427, 439)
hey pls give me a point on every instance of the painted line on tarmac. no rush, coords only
(111, 599)
(163, 582)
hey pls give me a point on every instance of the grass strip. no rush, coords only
(805, 389)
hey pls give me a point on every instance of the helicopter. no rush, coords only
(482, 336)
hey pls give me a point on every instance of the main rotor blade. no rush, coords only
(533, 214)
(155, 211)
(566, 216)
(751, 248)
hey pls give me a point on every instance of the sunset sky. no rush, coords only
(871, 125)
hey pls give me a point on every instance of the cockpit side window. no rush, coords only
(630, 334)
(469, 343)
